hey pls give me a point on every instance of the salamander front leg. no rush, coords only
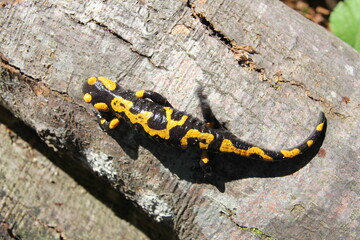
(106, 122)
(153, 96)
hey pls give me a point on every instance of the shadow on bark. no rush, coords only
(70, 161)
(224, 167)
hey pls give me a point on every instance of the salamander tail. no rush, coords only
(241, 148)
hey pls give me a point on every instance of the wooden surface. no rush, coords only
(41, 201)
(271, 98)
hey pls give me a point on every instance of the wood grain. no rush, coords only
(267, 72)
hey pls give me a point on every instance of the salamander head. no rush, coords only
(96, 87)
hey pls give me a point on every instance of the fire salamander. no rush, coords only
(150, 113)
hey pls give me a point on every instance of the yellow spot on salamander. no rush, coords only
(109, 84)
(121, 105)
(114, 123)
(310, 143)
(92, 80)
(103, 120)
(103, 107)
(205, 158)
(140, 94)
(320, 127)
(290, 153)
(87, 97)
(194, 133)
(227, 146)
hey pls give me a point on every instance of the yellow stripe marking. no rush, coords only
(290, 153)
(227, 146)
(320, 127)
(109, 84)
(194, 133)
(140, 94)
(310, 143)
(87, 97)
(101, 106)
(122, 105)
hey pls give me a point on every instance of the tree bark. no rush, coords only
(40, 201)
(267, 72)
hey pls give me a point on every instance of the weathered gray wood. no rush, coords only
(49, 48)
(40, 201)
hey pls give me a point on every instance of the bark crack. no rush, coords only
(257, 232)
(242, 56)
(9, 229)
(35, 84)
(241, 52)
(106, 28)
(331, 110)
(14, 70)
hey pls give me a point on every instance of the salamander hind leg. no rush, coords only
(153, 96)
(208, 115)
(210, 121)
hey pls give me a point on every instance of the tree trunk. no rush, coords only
(267, 72)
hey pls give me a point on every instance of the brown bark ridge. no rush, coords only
(267, 72)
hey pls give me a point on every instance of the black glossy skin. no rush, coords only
(210, 136)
